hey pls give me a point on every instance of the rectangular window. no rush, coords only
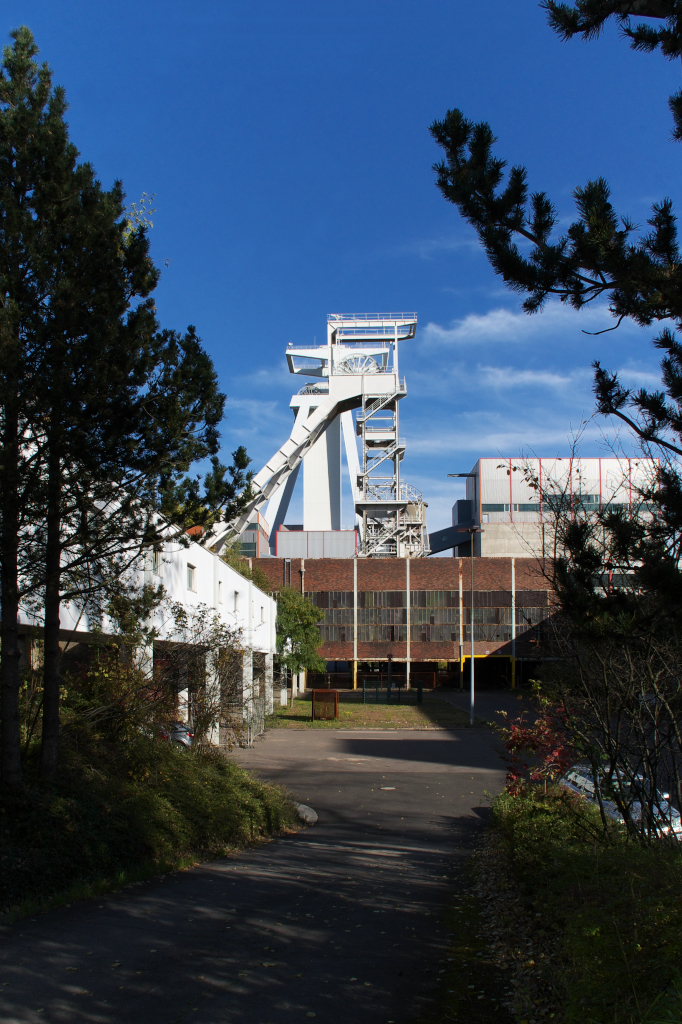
(494, 508)
(157, 563)
(236, 601)
(220, 591)
(532, 507)
(191, 571)
(262, 613)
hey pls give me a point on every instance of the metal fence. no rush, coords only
(254, 721)
(372, 694)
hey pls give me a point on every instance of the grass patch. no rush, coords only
(432, 713)
(124, 812)
(594, 927)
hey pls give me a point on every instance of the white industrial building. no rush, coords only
(514, 501)
(195, 577)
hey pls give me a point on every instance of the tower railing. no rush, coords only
(341, 317)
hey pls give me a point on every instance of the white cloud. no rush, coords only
(506, 325)
(640, 378)
(510, 377)
(499, 439)
(277, 376)
(427, 248)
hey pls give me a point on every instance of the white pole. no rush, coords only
(472, 687)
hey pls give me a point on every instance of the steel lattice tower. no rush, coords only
(357, 369)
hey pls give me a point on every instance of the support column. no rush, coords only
(247, 684)
(355, 622)
(408, 602)
(283, 687)
(461, 630)
(269, 685)
(143, 659)
(513, 622)
(213, 698)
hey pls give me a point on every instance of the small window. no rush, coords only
(220, 591)
(236, 600)
(157, 563)
(262, 613)
(494, 508)
(191, 574)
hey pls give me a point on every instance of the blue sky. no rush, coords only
(288, 148)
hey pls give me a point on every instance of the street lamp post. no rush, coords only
(472, 530)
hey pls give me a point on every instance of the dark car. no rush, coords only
(179, 733)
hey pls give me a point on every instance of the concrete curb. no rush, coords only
(306, 814)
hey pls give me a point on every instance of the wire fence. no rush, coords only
(254, 720)
(372, 694)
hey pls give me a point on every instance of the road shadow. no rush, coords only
(346, 916)
(459, 750)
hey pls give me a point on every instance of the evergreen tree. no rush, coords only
(586, 18)
(618, 569)
(102, 411)
(597, 257)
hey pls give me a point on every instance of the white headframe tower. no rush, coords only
(357, 369)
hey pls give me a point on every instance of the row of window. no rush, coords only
(433, 616)
(501, 632)
(564, 502)
(436, 599)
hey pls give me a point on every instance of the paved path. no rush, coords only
(340, 921)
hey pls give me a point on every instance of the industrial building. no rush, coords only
(382, 596)
(419, 611)
(515, 501)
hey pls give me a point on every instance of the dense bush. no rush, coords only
(615, 905)
(138, 807)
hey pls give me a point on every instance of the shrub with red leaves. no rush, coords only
(538, 750)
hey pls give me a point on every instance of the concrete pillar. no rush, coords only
(247, 683)
(183, 705)
(283, 688)
(213, 700)
(144, 659)
(268, 684)
(409, 622)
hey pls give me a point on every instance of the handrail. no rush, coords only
(383, 400)
(340, 317)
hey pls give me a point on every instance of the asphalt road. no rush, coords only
(341, 921)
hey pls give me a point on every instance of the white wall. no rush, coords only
(215, 586)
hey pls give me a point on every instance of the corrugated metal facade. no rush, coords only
(316, 543)
(516, 490)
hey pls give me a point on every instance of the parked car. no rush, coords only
(179, 733)
(580, 779)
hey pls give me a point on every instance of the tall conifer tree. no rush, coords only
(597, 257)
(102, 411)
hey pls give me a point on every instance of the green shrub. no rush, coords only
(117, 809)
(616, 904)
